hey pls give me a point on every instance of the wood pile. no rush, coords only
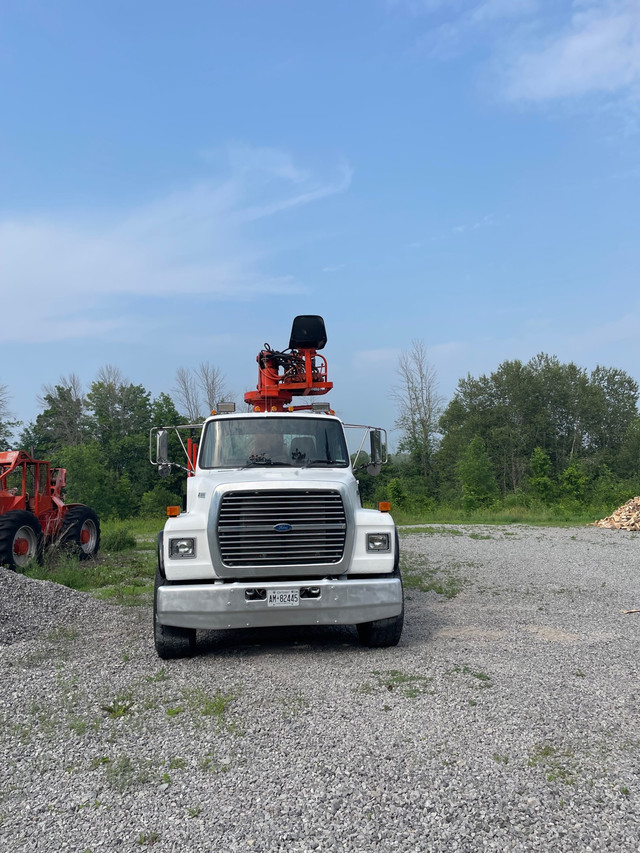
(626, 517)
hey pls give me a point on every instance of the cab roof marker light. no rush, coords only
(173, 511)
(384, 506)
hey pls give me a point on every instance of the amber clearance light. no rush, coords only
(172, 511)
(384, 506)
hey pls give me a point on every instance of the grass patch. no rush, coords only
(211, 764)
(175, 711)
(118, 538)
(434, 531)
(480, 676)
(161, 675)
(125, 577)
(541, 516)
(123, 773)
(404, 683)
(205, 705)
(555, 762)
(120, 707)
(420, 574)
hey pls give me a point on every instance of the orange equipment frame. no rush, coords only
(36, 487)
(283, 376)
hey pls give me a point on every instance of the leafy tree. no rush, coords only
(155, 502)
(89, 481)
(559, 408)
(479, 487)
(499, 408)
(119, 408)
(397, 493)
(613, 407)
(164, 412)
(626, 463)
(64, 421)
(574, 482)
(541, 485)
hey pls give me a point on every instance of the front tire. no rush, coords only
(20, 539)
(170, 641)
(382, 633)
(81, 532)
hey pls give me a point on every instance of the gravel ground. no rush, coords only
(507, 719)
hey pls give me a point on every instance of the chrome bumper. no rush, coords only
(346, 601)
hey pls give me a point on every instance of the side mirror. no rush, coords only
(162, 452)
(375, 464)
(162, 447)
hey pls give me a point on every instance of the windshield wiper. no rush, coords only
(266, 462)
(313, 462)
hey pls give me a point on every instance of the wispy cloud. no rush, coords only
(596, 52)
(452, 26)
(539, 50)
(193, 242)
(487, 221)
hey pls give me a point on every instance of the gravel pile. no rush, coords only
(506, 719)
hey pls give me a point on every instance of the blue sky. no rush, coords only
(179, 180)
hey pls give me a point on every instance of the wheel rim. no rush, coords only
(88, 536)
(25, 545)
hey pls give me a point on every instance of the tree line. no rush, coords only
(101, 435)
(541, 432)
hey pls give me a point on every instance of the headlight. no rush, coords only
(184, 547)
(378, 542)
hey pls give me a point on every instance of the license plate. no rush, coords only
(283, 597)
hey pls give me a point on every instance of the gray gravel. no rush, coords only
(506, 719)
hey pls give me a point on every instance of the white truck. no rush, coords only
(274, 532)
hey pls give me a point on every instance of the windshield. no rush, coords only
(287, 442)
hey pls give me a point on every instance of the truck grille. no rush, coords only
(312, 528)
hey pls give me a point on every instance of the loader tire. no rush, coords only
(21, 539)
(170, 641)
(80, 532)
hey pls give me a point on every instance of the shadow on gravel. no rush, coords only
(421, 622)
(285, 641)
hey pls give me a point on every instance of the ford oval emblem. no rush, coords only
(282, 528)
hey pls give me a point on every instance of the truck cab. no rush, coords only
(274, 533)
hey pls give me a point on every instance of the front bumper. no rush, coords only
(343, 601)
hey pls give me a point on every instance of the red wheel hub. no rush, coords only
(20, 547)
(85, 536)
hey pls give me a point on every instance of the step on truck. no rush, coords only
(274, 532)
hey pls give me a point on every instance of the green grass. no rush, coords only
(554, 516)
(121, 576)
(206, 705)
(119, 707)
(404, 683)
(556, 763)
(434, 531)
(419, 573)
(123, 572)
(118, 538)
(465, 669)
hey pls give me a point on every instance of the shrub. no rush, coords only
(119, 538)
(155, 502)
(479, 487)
